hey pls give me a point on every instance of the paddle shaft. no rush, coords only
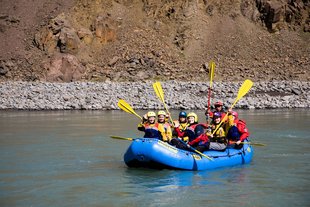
(211, 75)
(168, 113)
(122, 138)
(198, 152)
(209, 99)
(251, 143)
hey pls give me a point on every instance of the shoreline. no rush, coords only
(20, 95)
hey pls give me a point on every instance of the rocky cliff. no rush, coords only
(138, 40)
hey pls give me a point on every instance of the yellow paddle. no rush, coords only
(127, 108)
(211, 72)
(245, 87)
(160, 94)
(192, 148)
(255, 144)
(211, 75)
(201, 153)
(122, 138)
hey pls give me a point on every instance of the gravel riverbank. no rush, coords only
(185, 95)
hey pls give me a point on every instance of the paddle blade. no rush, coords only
(159, 91)
(211, 72)
(122, 104)
(244, 89)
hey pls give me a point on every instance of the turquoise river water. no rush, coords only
(66, 158)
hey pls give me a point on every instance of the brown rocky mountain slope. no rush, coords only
(134, 40)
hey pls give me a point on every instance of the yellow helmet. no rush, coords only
(161, 113)
(151, 113)
(194, 115)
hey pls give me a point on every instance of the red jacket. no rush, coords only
(201, 138)
(243, 130)
(191, 132)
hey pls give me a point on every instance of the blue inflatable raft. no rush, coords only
(153, 153)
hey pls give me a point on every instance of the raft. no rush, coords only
(156, 154)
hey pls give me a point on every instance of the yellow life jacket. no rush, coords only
(219, 135)
(167, 131)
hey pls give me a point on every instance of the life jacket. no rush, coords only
(191, 133)
(182, 126)
(233, 134)
(199, 138)
(219, 135)
(242, 129)
(194, 137)
(202, 139)
(240, 123)
(166, 126)
(168, 132)
(219, 132)
(151, 131)
(177, 131)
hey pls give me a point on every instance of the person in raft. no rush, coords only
(237, 130)
(181, 123)
(151, 128)
(194, 132)
(161, 119)
(217, 136)
(218, 106)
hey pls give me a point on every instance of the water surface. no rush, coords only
(66, 158)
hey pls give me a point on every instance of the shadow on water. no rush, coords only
(164, 180)
(181, 187)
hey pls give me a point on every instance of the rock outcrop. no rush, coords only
(63, 68)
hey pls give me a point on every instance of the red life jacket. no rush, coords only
(243, 130)
(201, 139)
(191, 128)
(189, 131)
